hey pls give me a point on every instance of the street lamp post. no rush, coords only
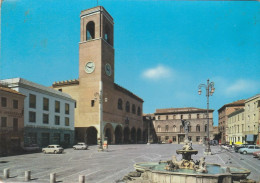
(99, 97)
(209, 92)
(149, 124)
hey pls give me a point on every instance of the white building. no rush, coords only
(48, 114)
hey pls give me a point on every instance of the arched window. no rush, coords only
(205, 128)
(133, 109)
(158, 128)
(90, 30)
(181, 129)
(120, 104)
(189, 128)
(166, 128)
(107, 35)
(198, 128)
(139, 111)
(127, 106)
(174, 128)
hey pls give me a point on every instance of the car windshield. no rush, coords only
(58, 146)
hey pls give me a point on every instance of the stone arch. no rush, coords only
(126, 135)
(206, 126)
(118, 134)
(109, 133)
(158, 128)
(133, 109)
(174, 128)
(120, 104)
(91, 135)
(198, 128)
(181, 129)
(139, 111)
(90, 33)
(139, 135)
(127, 106)
(133, 135)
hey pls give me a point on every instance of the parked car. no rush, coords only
(213, 142)
(80, 145)
(227, 147)
(249, 149)
(32, 148)
(256, 154)
(239, 147)
(53, 149)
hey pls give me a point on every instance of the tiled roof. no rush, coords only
(66, 82)
(233, 104)
(127, 92)
(238, 110)
(5, 89)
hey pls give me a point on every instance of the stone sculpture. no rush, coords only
(202, 168)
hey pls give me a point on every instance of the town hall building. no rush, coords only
(103, 108)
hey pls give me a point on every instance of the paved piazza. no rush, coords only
(110, 166)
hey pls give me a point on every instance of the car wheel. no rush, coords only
(74, 148)
(55, 152)
(244, 152)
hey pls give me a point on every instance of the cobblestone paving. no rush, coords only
(111, 166)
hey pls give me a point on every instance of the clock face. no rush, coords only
(90, 67)
(108, 69)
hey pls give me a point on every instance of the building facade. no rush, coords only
(223, 113)
(11, 120)
(252, 118)
(48, 114)
(236, 126)
(104, 109)
(168, 125)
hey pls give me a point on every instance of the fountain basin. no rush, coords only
(155, 172)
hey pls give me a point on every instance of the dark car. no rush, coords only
(239, 147)
(213, 142)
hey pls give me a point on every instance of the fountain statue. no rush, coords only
(185, 170)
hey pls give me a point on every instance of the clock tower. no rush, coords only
(96, 51)
(103, 108)
(96, 65)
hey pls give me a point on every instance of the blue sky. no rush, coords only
(163, 49)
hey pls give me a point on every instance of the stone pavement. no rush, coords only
(111, 166)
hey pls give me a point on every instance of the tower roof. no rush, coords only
(95, 10)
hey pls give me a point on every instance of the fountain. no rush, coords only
(186, 170)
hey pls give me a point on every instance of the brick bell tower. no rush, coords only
(96, 64)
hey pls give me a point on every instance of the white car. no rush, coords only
(53, 149)
(80, 145)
